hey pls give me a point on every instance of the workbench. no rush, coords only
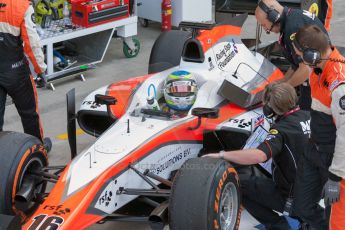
(89, 43)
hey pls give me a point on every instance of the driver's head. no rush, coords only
(180, 90)
(278, 99)
(268, 22)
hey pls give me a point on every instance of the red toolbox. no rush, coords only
(95, 12)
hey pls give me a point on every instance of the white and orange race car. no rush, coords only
(147, 154)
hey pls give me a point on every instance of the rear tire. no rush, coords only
(205, 196)
(167, 50)
(20, 154)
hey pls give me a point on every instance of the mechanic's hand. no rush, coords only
(212, 155)
(331, 192)
(41, 80)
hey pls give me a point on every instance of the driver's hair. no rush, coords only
(281, 97)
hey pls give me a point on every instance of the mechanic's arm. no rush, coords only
(337, 168)
(243, 157)
(297, 77)
(32, 47)
(288, 74)
(270, 147)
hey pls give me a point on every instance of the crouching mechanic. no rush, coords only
(323, 165)
(284, 144)
(180, 90)
(18, 41)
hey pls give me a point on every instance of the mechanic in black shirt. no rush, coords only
(325, 13)
(285, 143)
(274, 17)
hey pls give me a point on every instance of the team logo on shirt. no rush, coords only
(309, 14)
(305, 126)
(342, 102)
(274, 131)
(292, 36)
(314, 9)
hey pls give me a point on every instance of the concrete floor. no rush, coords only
(116, 67)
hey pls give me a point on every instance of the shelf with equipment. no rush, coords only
(83, 47)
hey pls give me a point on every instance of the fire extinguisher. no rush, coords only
(166, 15)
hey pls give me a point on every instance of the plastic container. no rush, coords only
(66, 13)
(152, 103)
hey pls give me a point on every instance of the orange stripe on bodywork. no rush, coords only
(208, 38)
(123, 91)
(276, 75)
(79, 202)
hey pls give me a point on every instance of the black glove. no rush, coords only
(41, 80)
(331, 192)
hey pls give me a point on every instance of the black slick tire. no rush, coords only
(199, 190)
(167, 50)
(20, 153)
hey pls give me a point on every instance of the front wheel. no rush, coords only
(205, 196)
(131, 52)
(21, 157)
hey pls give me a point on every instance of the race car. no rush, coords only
(143, 153)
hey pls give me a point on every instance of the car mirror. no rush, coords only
(211, 113)
(206, 112)
(105, 99)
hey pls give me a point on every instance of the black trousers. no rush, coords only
(260, 197)
(323, 11)
(21, 87)
(312, 174)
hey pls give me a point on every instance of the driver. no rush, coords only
(180, 89)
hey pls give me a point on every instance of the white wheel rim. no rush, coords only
(228, 207)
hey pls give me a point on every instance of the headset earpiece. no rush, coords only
(268, 111)
(310, 56)
(272, 14)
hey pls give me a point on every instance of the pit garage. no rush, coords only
(117, 162)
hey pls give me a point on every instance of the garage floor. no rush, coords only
(116, 67)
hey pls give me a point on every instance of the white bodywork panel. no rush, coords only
(88, 102)
(161, 162)
(220, 63)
